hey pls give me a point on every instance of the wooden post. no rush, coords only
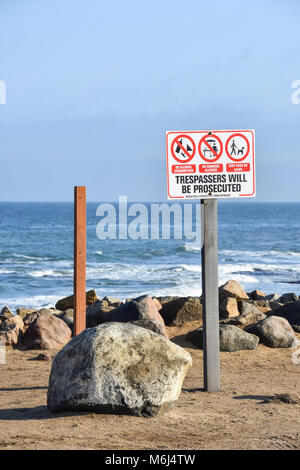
(210, 295)
(79, 259)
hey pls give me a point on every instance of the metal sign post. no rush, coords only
(210, 294)
(79, 259)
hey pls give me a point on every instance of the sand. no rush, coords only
(234, 418)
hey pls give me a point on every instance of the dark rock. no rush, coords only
(141, 308)
(284, 398)
(117, 368)
(257, 295)
(289, 297)
(44, 356)
(179, 310)
(231, 338)
(289, 311)
(96, 311)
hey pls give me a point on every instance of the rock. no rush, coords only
(141, 308)
(23, 312)
(245, 308)
(178, 310)
(117, 368)
(284, 398)
(95, 312)
(44, 356)
(68, 302)
(232, 289)
(157, 303)
(231, 338)
(272, 297)
(289, 311)
(228, 308)
(275, 332)
(259, 303)
(244, 320)
(11, 330)
(257, 295)
(289, 297)
(275, 305)
(31, 317)
(152, 325)
(112, 301)
(67, 317)
(46, 332)
(6, 311)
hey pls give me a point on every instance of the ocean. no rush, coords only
(259, 246)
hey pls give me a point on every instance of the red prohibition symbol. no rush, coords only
(235, 150)
(183, 150)
(210, 142)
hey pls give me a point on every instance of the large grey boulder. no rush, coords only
(231, 338)
(275, 332)
(117, 368)
(179, 310)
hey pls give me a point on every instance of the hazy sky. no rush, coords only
(92, 87)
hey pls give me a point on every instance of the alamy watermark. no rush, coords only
(296, 356)
(2, 353)
(2, 92)
(149, 221)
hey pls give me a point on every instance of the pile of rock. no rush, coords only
(249, 318)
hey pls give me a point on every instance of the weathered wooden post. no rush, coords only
(210, 294)
(79, 259)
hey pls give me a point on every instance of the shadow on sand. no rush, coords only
(260, 398)
(37, 412)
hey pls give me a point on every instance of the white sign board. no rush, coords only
(210, 164)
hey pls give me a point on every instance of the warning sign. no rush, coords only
(210, 164)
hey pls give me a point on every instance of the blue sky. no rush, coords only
(92, 87)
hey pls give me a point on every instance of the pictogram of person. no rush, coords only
(233, 148)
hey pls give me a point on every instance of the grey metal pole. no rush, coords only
(210, 294)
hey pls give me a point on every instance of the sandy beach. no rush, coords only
(234, 418)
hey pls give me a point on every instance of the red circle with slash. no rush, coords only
(216, 154)
(234, 159)
(189, 153)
